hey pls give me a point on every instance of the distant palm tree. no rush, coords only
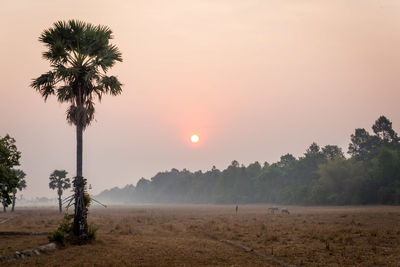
(59, 181)
(80, 55)
(21, 185)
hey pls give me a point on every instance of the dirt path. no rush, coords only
(6, 220)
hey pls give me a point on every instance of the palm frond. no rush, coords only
(66, 74)
(107, 57)
(82, 116)
(45, 84)
(64, 94)
(111, 85)
(57, 53)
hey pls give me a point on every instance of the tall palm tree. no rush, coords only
(21, 185)
(80, 54)
(59, 181)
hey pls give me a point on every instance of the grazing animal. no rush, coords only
(273, 209)
(285, 210)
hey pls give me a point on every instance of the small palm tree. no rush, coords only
(80, 54)
(59, 181)
(21, 185)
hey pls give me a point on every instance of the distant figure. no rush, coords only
(237, 209)
(285, 210)
(273, 209)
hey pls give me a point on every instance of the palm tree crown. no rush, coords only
(80, 56)
(58, 180)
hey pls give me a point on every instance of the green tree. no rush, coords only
(340, 182)
(313, 150)
(386, 170)
(142, 190)
(332, 152)
(80, 54)
(21, 185)
(59, 181)
(362, 143)
(227, 183)
(286, 160)
(270, 181)
(384, 131)
(9, 158)
(301, 175)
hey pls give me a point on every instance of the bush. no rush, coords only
(66, 224)
(64, 234)
(92, 229)
(87, 200)
(58, 236)
(61, 234)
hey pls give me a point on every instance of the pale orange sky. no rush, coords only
(255, 80)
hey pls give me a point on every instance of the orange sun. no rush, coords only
(194, 138)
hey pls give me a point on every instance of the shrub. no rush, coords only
(64, 234)
(92, 229)
(61, 234)
(58, 236)
(66, 224)
(87, 200)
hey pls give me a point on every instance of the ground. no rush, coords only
(216, 236)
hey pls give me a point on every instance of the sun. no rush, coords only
(194, 138)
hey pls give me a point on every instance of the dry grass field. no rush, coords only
(216, 236)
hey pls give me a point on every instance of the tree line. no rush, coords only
(322, 176)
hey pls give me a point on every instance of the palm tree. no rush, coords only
(21, 185)
(80, 54)
(59, 181)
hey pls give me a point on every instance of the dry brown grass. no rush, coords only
(214, 235)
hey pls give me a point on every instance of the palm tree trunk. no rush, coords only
(79, 150)
(59, 200)
(13, 201)
(80, 222)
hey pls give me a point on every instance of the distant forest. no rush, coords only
(322, 176)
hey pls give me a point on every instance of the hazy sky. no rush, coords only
(255, 80)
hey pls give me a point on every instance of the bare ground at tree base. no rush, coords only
(216, 236)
